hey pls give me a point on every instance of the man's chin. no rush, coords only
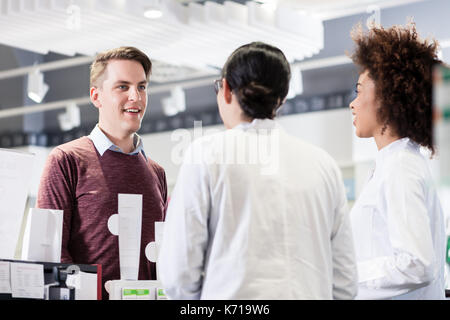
(134, 129)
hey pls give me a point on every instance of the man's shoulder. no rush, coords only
(66, 158)
(80, 147)
(153, 165)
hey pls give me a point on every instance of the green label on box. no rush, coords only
(161, 293)
(142, 292)
(129, 292)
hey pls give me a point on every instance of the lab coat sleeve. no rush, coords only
(412, 262)
(182, 254)
(344, 264)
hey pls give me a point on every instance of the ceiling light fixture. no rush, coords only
(152, 13)
(71, 118)
(36, 87)
(153, 10)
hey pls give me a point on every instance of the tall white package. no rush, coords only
(15, 177)
(43, 235)
(130, 224)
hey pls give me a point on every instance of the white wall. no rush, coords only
(164, 148)
(330, 130)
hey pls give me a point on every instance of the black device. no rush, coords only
(59, 289)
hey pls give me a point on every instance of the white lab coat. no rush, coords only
(398, 228)
(257, 223)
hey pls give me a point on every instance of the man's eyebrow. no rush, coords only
(128, 82)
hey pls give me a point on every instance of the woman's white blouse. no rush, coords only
(398, 228)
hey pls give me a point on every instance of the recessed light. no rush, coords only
(153, 13)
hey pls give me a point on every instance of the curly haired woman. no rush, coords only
(397, 221)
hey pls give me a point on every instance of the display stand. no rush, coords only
(91, 272)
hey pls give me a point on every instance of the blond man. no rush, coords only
(83, 177)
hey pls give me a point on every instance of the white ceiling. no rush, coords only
(330, 9)
(192, 38)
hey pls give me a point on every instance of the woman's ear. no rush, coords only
(227, 93)
(94, 97)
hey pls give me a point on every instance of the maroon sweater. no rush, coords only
(85, 185)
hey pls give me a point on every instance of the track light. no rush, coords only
(71, 118)
(37, 88)
(175, 103)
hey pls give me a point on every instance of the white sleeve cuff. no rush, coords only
(371, 269)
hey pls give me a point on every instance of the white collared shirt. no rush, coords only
(257, 214)
(398, 228)
(102, 143)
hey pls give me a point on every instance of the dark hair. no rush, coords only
(400, 64)
(100, 63)
(259, 75)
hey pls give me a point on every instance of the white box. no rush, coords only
(43, 235)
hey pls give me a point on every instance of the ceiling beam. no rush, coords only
(47, 66)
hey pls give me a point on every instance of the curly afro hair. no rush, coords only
(400, 64)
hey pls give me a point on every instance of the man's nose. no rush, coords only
(134, 94)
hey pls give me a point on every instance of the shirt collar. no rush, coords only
(102, 143)
(400, 144)
(257, 124)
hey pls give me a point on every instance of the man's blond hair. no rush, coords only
(100, 63)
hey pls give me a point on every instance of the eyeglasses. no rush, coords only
(217, 85)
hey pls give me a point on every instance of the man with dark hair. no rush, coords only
(84, 177)
(246, 224)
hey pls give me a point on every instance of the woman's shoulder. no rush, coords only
(406, 163)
